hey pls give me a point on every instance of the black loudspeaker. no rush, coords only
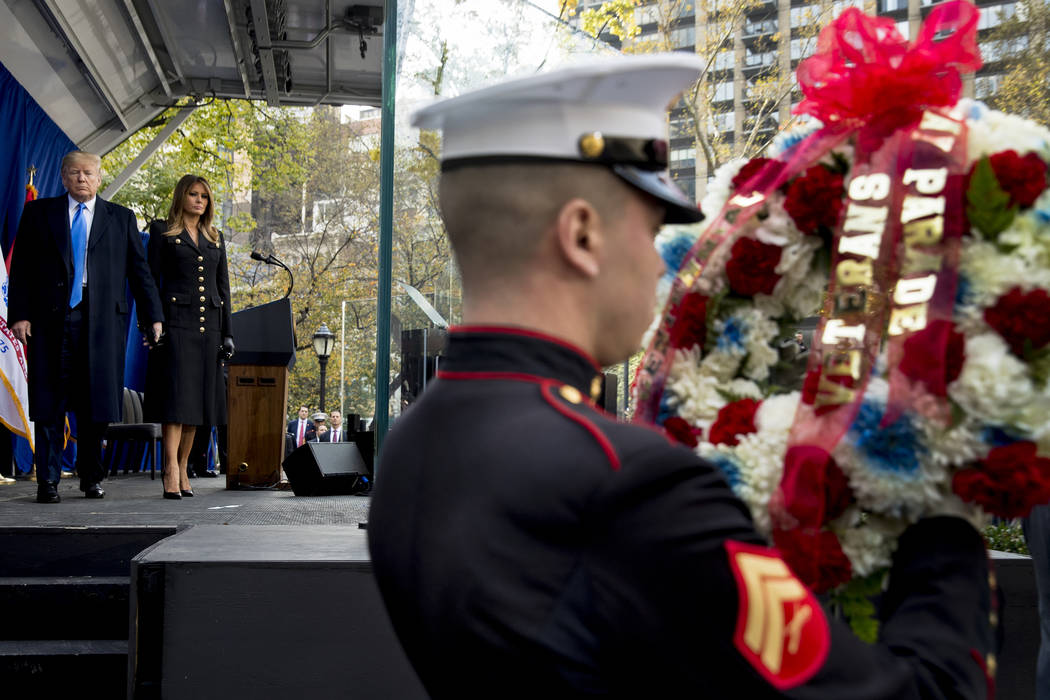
(326, 469)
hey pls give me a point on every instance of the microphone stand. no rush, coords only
(271, 260)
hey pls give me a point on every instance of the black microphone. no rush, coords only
(271, 260)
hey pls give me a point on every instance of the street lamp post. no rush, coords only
(324, 341)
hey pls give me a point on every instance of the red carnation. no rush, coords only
(1023, 178)
(750, 169)
(1021, 318)
(934, 356)
(680, 430)
(690, 322)
(752, 267)
(814, 489)
(815, 556)
(815, 199)
(1008, 482)
(737, 418)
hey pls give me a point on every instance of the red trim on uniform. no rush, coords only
(527, 333)
(509, 376)
(598, 435)
(771, 600)
(984, 669)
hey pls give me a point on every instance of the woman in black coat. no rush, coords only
(184, 381)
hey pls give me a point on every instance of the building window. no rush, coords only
(802, 16)
(683, 158)
(724, 60)
(723, 92)
(994, 15)
(685, 36)
(986, 86)
(892, 5)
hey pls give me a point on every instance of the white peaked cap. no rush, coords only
(611, 112)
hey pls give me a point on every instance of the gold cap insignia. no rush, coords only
(592, 145)
(596, 388)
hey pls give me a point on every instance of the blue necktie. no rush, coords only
(78, 232)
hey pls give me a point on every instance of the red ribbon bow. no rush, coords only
(865, 71)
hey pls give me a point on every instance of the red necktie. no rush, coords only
(335, 435)
(299, 442)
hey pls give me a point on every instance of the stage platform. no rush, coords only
(135, 500)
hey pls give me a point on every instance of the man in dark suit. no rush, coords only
(300, 426)
(73, 257)
(336, 433)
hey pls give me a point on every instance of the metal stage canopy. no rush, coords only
(102, 69)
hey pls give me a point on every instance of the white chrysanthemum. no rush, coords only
(761, 456)
(1029, 240)
(894, 494)
(869, 547)
(720, 187)
(991, 274)
(776, 414)
(761, 331)
(778, 228)
(694, 394)
(993, 386)
(805, 299)
(722, 364)
(955, 446)
(995, 132)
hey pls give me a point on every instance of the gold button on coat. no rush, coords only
(202, 329)
(200, 279)
(202, 309)
(202, 298)
(200, 289)
(200, 269)
(202, 319)
(200, 258)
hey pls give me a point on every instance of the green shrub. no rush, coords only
(1006, 537)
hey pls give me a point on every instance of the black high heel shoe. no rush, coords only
(173, 495)
(187, 494)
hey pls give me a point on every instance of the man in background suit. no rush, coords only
(336, 432)
(73, 257)
(301, 427)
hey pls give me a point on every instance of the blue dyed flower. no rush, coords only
(729, 468)
(977, 110)
(895, 448)
(963, 290)
(665, 411)
(733, 335)
(674, 251)
(997, 437)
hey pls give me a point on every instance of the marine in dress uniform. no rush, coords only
(529, 545)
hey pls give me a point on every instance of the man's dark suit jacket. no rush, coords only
(327, 437)
(41, 278)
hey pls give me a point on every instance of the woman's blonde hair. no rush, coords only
(176, 222)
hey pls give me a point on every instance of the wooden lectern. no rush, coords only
(257, 394)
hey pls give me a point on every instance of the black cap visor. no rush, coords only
(658, 183)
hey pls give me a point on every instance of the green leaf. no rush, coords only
(854, 601)
(988, 206)
(1038, 363)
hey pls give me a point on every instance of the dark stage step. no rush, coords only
(75, 550)
(63, 668)
(77, 607)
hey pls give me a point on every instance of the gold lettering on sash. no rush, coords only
(921, 207)
(915, 291)
(873, 186)
(843, 363)
(855, 272)
(907, 318)
(924, 231)
(927, 181)
(865, 245)
(831, 393)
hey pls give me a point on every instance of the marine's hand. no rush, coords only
(158, 331)
(21, 330)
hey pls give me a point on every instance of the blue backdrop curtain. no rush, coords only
(28, 137)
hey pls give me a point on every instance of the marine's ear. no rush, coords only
(578, 236)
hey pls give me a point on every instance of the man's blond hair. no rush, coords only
(496, 215)
(81, 156)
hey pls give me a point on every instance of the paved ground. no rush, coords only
(134, 499)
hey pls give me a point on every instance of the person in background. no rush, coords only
(184, 379)
(300, 427)
(74, 257)
(319, 428)
(567, 554)
(336, 433)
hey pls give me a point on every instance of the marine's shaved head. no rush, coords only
(496, 215)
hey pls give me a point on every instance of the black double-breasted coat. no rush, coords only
(527, 545)
(39, 291)
(184, 379)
